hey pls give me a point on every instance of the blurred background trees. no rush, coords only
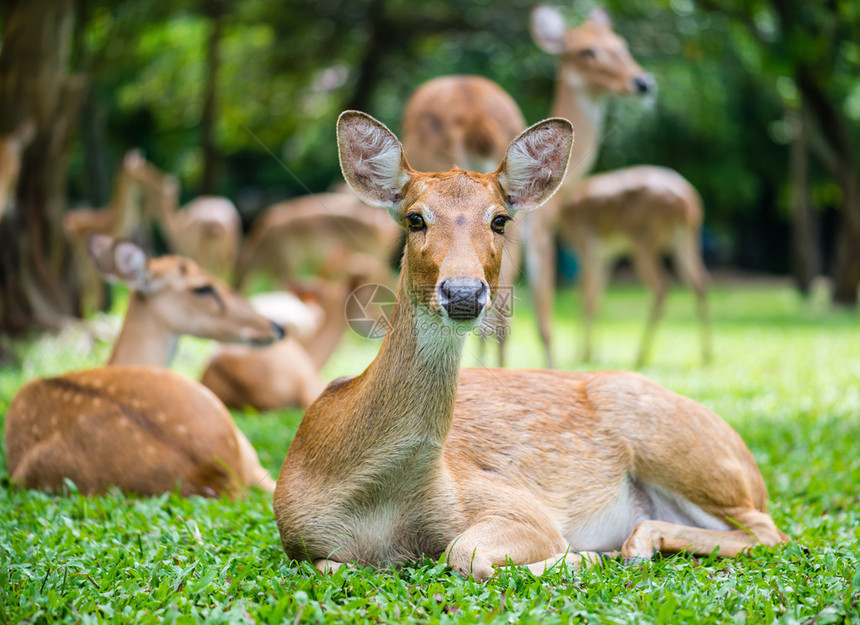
(758, 106)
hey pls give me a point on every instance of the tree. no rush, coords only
(36, 285)
(807, 40)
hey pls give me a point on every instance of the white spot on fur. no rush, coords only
(428, 214)
(181, 429)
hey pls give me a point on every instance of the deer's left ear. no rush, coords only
(535, 164)
(372, 161)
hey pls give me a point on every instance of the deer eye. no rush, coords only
(206, 289)
(415, 222)
(587, 53)
(499, 222)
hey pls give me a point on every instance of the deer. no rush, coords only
(288, 373)
(208, 229)
(302, 234)
(121, 218)
(644, 211)
(12, 146)
(467, 121)
(134, 424)
(489, 467)
(639, 211)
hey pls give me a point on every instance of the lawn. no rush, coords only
(786, 375)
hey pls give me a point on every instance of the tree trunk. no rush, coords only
(805, 259)
(846, 272)
(215, 11)
(35, 273)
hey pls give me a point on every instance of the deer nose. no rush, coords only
(463, 298)
(278, 330)
(643, 83)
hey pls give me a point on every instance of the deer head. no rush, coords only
(592, 55)
(455, 221)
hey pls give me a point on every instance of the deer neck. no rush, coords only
(411, 385)
(324, 341)
(143, 340)
(123, 202)
(392, 421)
(586, 110)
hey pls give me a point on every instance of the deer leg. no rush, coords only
(540, 270)
(648, 266)
(325, 566)
(649, 537)
(496, 541)
(594, 271)
(688, 259)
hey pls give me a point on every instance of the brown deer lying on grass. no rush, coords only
(135, 424)
(288, 372)
(415, 457)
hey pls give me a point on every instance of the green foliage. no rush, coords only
(724, 70)
(785, 376)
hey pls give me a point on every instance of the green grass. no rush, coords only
(786, 375)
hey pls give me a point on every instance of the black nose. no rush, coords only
(278, 329)
(462, 298)
(643, 83)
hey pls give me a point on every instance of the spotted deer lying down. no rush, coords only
(134, 424)
(415, 457)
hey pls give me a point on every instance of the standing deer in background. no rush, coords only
(415, 457)
(468, 122)
(121, 218)
(208, 229)
(135, 424)
(643, 211)
(647, 210)
(12, 146)
(303, 234)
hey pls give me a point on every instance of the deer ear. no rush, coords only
(548, 29)
(121, 261)
(535, 164)
(600, 17)
(372, 161)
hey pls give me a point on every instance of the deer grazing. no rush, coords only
(120, 218)
(208, 229)
(415, 457)
(638, 211)
(134, 424)
(303, 234)
(468, 122)
(12, 146)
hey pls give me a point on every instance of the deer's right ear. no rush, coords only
(548, 29)
(121, 261)
(372, 161)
